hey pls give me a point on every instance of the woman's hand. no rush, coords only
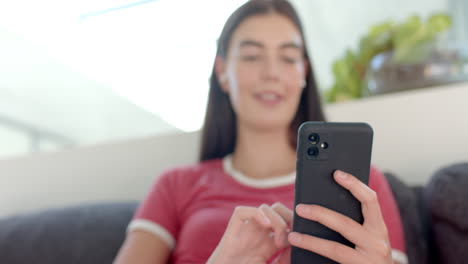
(254, 235)
(371, 238)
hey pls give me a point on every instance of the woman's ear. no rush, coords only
(220, 71)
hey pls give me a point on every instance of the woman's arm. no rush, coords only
(142, 247)
(151, 232)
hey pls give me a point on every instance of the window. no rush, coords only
(95, 71)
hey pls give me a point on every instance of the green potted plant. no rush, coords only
(398, 44)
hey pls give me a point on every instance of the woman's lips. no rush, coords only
(269, 98)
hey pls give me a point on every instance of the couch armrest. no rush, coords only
(81, 234)
(447, 198)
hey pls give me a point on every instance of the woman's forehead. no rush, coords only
(267, 30)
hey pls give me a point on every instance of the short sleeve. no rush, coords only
(390, 213)
(157, 213)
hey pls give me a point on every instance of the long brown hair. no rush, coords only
(219, 130)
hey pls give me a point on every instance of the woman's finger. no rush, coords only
(279, 226)
(286, 213)
(347, 227)
(369, 202)
(330, 249)
(244, 214)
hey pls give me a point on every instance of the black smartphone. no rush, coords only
(322, 148)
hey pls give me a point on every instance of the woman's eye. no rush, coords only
(289, 60)
(250, 57)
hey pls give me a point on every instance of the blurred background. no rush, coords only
(99, 97)
(81, 73)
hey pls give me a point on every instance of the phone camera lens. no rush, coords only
(314, 138)
(313, 152)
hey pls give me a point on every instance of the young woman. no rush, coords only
(235, 206)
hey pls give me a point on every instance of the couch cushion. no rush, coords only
(81, 234)
(447, 198)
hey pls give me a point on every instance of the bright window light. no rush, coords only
(157, 54)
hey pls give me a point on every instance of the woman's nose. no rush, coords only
(271, 70)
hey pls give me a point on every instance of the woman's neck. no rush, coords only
(264, 154)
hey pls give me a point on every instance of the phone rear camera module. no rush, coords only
(314, 138)
(324, 145)
(313, 152)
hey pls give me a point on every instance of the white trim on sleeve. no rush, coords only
(399, 256)
(153, 228)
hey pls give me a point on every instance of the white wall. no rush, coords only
(109, 172)
(416, 133)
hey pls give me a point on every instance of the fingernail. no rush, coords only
(341, 175)
(294, 238)
(302, 209)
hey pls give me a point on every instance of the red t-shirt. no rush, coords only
(189, 207)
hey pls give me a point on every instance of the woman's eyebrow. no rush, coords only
(293, 45)
(250, 42)
(254, 43)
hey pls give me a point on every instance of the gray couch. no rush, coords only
(435, 219)
(435, 216)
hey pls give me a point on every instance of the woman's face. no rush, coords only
(264, 71)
